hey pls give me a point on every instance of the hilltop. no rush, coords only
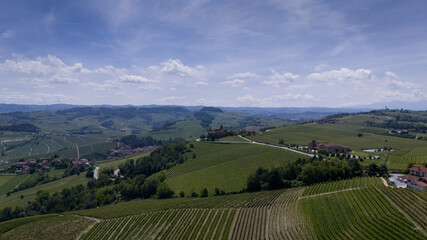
(83, 131)
(208, 184)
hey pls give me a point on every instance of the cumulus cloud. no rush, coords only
(239, 79)
(387, 95)
(176, 67)
(248, 99)
(244, 75)
(135, 79)
(44, 71)
(8, 96)
(277, 79)
(342, 76)
(392, 81)
(172, 98)
(234, 82)
(292, 97)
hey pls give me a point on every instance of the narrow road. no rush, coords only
(384, 181)
(95, 173)
(116, 172)
(78, 153)
(271, 145)
(48, 147)
(327, 193)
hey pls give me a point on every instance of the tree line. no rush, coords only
(137, 181)
(309, 171)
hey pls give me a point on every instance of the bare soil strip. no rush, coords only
(327, 193)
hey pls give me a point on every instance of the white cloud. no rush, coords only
(7, 34)
(392, 81)
(321, 67)
(277, 79)
(8, 96)
(135, 79)
(293, 97)
(342, 76)
(201, 83)
(172, 98)
(234, 83)
(248, 99)
(176, 67)
(44, 70)
(387, 95)
(244, 75)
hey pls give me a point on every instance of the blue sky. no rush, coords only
(270, 53)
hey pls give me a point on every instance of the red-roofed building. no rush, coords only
(417, 178)
(418, 170)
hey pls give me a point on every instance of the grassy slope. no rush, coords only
(345, 132)
(360, 211)
(151, 205)
(223, 166)
(114, 163)
(45, 227)
(30, 194)
(189, 129)
(7, 183)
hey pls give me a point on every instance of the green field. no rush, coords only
(345, 132)
(360, 208)
(360, 213)
(302, 134)
(114, 163)
(223, 166)
(29, 194)
(45, 227)
(401, 159)
(8, 182)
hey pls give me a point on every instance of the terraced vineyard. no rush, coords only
(401, 159)
(416, 210)
(358, 214)
(360, 208)
(8, 182)
(274, 214)
(223, 166)
(354, 183)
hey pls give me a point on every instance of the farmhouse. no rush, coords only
(417, 178)
(334, 148)
(218, 132)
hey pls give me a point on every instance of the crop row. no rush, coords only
(170, 224)
(341, 185)
(358, 214)
(410, 203)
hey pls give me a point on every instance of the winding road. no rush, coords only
(282, 147)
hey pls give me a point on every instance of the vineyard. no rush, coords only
(223, 166)
(401, 159)
(7, 183)
(354, 183)
(358, 214)
(416, 210)
(360, 208)
(271, 215)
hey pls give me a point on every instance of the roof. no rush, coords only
(421, 184)
(411, 177)
(418, 168)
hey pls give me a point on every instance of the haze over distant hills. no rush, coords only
(288, 113)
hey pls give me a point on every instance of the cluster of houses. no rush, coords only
(31, 165)
(416, 179)
(328, 147)
(223, 132)
(127, 150)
